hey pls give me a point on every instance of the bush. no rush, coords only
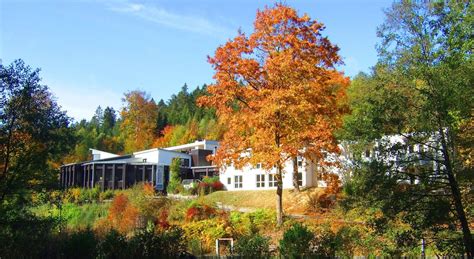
(113, 245)
(200, 211)
(106, 195)
(318, 202)
(251, 223)
(149, 244)
(296, 241)
(209, 185)
(207, 231)
(252, 246)
(324, 243)
(80, 244)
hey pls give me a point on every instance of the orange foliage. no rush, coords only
(332, 182)
(138, 121)
(148, 189)
(123, 216)
(278, 92)
(119, 203)
(165, 139)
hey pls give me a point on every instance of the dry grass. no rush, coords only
(266, 199)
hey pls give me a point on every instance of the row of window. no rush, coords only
(300, 163)
(260, 181)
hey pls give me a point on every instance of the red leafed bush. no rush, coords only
(192, 213)
(209, 184)
(217, 186)
(200, 212)
(162, 221)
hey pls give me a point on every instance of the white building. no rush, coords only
(111, 171)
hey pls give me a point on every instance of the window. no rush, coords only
(260, 180)
(300, 179)
(258, 166)
(238, 181)
(185, 162)
(300, 161)
(272, 182)
(229, 181)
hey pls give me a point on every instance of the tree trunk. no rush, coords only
(279, 201)
(456, 195)
(295, 174)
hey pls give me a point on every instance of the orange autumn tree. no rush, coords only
(139, 117)
(278, 93)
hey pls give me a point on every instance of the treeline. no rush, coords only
(144, 123)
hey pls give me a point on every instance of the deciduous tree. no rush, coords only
(138, 121)
(421, 90)
(278, 93)
(34, 133)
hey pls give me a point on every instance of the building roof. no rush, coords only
(194, 145)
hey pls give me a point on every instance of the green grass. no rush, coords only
(74, 216)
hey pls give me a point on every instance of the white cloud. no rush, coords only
(166, 18)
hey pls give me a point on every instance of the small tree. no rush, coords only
(175, 179)
(297, 241)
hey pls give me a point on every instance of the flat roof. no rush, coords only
(193, 145)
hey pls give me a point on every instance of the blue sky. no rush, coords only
(91, 52)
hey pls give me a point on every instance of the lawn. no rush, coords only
(266, 199)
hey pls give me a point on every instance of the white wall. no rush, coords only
(151, 155)
(249, 177)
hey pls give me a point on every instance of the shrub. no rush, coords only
(162, 221)
(252, 246)
(149, 244)
(253, 222)
(200, 211)
(195, 247)
(79, 244)
(209, 185)
(318, 202)
(324, 243)
(177, 211)
(123, 216)
(148, 189)
(296, 241)
(113, 245)
(207, 231)
(106, 195)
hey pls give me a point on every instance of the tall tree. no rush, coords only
(109, 120)
(34, 133)
(139, 117)
(278, 93)
(421, 90)
(98, 118)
